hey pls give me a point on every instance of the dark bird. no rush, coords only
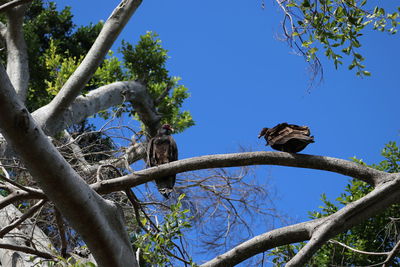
(160, 150)
(287, 137)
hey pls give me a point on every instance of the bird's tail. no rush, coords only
(165, 185)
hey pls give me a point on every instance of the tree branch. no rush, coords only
(77, 81)
(28, 250)
(319, 230)
(96, 100)
(17, 53)
(340, 166)
(357, 250)
(21, 219)
(275, 238)
(97, 220)
(353, 213)
(392, 254)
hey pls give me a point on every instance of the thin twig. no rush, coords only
(61, 230)
(357, 250)
(25, 216)
(16, 184)
(28, 250)
(392, 255)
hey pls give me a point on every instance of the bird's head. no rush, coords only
(166, 129)
(263, 132)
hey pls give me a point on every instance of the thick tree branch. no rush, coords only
(101, 99)
(54, 112)
(340, 166)
(374, 202)
(318, 231)
(275, 238)
(17, 53)
(98, 221)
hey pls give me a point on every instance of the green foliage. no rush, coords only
(157, 244)
(146, 63)
(45, 25)
(60, 67)
(56, 47)
(62, 262)
(337, 26)
(377, 234)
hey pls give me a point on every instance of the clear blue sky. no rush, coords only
(242, 78)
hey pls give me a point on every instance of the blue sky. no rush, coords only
(242, 78)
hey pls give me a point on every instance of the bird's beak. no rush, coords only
(259, 136)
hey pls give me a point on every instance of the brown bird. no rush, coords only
(160, 150)
(287, 137)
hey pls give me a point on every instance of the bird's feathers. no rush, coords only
(163, 149)
(287, 137)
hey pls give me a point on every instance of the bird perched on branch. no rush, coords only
(160, 150)
(287, 137)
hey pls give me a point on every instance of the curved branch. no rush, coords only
(96, 100)
(318, 231)
(77, 81)
(371, 204)
(359, 251)
(275, 238)
(62, 184)
(340, 166)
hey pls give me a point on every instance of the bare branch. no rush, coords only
(62, 184)
(25, 216)
(61, 230)
(392, 255)
(340, 166)
(28, 250)
(96, 100)
(374, 202)
(278, 237)
(357, 250)
(19, 195)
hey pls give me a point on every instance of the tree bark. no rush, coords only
(98, 221)
(17, 53)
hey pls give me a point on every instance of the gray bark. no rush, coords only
(54, 111)
(98, 221)
(17, 54)
(100, 99)
(17, 236)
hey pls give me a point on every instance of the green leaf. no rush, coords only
(366, 73)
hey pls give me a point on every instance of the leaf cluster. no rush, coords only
(44, 26)
(146, 62)
(336, 26)
(157, 243)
